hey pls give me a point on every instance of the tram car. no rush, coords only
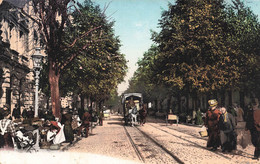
(131, 101)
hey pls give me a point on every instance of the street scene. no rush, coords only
(129, 81)
(152, 143)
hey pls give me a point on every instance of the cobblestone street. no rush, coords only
(152, 143)
(182, 140)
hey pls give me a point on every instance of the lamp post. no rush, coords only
(37, 66)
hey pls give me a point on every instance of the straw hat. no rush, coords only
(213, 102)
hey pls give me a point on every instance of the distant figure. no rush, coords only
(66, 119)
(227, 131)
(16, 112)
(49, 116)
(30, 113)
(85, 124)
(198, 117)
(211, 122)
(3, 112)
(143, 114)
(100, 118)
(133, 113)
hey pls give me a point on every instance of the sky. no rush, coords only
(133, 21)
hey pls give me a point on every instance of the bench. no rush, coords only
(172, 117)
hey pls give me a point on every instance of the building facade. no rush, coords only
(18, 40)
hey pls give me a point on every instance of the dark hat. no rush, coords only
(6, 106)
(6, 113)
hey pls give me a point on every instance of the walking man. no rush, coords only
(211, 122)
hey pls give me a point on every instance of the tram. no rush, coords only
(129, 102)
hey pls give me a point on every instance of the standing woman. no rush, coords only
(227, 131)
(211, 122)
(66, 119)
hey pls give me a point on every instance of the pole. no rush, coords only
(37, 73)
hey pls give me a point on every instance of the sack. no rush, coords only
(55, 147)
(203, 132)
(60, 137)
(244, 139)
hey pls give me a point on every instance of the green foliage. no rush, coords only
(203, 47)
(100, 67)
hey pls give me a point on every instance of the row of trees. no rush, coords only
(82, 49)
(204, 47)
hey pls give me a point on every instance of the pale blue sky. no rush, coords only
(133, 21)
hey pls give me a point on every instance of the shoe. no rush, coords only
(214, 149)
(255, 157)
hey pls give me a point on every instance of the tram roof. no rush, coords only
(131, 94)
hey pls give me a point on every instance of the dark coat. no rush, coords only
(16, 113)
(227, 132)
(66, 119)
(256, 115)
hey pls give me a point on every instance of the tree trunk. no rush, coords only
(242, 99)
(82, 102)
(169, 106)
(156, 105)
(54, 77)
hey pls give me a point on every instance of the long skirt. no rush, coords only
(228, 140)
(255, 138)
(68, 131)
(6, 141)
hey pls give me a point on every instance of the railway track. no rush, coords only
(138, 153)
(150, 139)
(197, 137)
(194, 143)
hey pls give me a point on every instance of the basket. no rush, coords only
(203, 133)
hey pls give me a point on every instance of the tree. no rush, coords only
(98, 75)
(53, 19)
(245, 36)
(194, 54)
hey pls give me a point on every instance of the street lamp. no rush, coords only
(37, 66)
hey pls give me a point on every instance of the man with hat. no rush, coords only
(211, 122)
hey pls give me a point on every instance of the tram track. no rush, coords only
(160, 146)
(193, 135)
(194, 143)
(138, 153)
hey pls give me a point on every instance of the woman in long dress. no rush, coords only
(66, 119)
(227, 131)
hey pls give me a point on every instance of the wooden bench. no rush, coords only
(172, 117)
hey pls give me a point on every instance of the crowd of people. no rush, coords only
(221, 127)
(68, 126)
(220, 123)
